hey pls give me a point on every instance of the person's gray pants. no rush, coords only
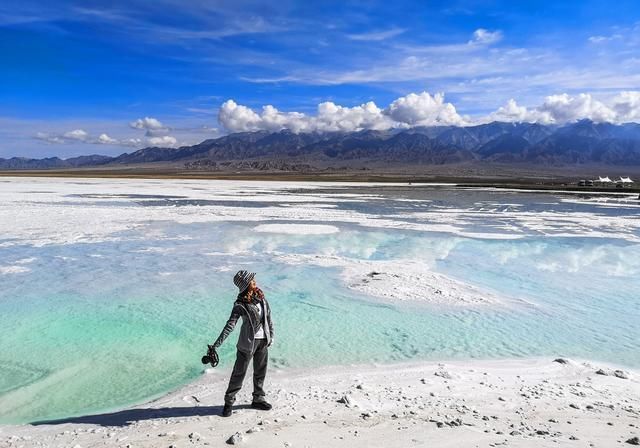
(260, 356)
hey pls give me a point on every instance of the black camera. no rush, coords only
(211, 357)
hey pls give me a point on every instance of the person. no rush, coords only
(256, 335)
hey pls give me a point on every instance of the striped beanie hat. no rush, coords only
(242, 279)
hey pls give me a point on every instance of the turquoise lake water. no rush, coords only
(100, 324)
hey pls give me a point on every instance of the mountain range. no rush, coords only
(581, 143)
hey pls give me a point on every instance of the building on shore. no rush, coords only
(624, 182)
(603, 181)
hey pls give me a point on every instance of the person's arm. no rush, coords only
(229, 326)
(270, 323)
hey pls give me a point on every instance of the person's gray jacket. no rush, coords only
(247, 331)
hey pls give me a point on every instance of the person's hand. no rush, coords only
(270, 342)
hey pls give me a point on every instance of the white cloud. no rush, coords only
(564, 108)
(274, 120)
(106, 140)
(474, 57)
(602, 39)
(133, 142)
(76, 134)
(165, 140)
(237, 118)
(147, 123)
(424, 109)
(81, 136)
(510, 112)
(329, 117)
(152, 126)
(332, 117)
(411, 110)
(49, 138)
(155, 133)
(627, 106)
(377, 35)
(485, 37)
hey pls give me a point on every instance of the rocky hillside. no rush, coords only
(583, 142)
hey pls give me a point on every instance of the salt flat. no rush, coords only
(519, 403)
(400, 275)
(53, 211)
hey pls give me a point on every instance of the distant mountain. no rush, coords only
(506, 148)
(582, 142)
(24, 163)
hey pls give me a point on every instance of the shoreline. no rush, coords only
(522, 402)
(524, 185)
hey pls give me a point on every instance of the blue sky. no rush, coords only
(97, 67)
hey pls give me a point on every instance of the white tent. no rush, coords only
(625, 180)
(603, 179)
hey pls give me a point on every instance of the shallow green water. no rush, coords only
(97, 326)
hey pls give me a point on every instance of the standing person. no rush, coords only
(256, 334)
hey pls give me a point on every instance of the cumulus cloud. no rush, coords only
(424, 109)
(104, 139)
(329, 117)
(133, 142)
(152, 126)
(82, 136)
(411, 110)
(147, 123)
(564, 108)
(77, 134)
(627, 106)
(510, 112)
(165, 140)
(49, 138)
(238, 118)
(74, 136)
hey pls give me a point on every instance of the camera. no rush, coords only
(211, 357)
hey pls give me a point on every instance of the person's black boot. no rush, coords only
(262, 405)
(226, 411)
